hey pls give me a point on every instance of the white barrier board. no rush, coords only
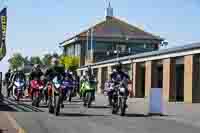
(156, 101)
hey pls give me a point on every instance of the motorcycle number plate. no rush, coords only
(122, 89)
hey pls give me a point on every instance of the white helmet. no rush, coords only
(114, 70)
(54, 61)
(19, 69)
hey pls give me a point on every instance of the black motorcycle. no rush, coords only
(119, 98)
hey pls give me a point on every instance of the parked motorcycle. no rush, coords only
(119, 97)
(88, 92)
(18, 89)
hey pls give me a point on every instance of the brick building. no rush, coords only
(110, 38)
(175, 70)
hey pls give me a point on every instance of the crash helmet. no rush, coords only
(54, 61)
(119, 66)
(19, 69)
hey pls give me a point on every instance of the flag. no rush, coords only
(3, 27)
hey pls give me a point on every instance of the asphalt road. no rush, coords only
(74, 118)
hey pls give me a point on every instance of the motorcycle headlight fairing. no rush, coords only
(57, 85)
(122, 89)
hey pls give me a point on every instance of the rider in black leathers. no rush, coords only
(118, 75)
(36, 73)
(7, 81)
(55, 70)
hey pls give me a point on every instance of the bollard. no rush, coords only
(156, 102)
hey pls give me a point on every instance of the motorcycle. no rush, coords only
(109, 87)
(71, 91)
(55, 96)
(37, 92)
(18, 89)
(66, 87)
(119, 97)
(88, 92)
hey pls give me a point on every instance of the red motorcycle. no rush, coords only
(36, 92)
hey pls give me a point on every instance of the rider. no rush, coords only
(35, 75)
(36, 72)
(118, 75)
(7, 81)
(88, 76)
(55, 70)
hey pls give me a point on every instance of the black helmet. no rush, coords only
(119, 66)
(89, 69)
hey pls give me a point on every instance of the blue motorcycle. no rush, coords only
(66, 89)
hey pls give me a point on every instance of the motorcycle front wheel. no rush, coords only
(115, 106)
(122, 105)
(50, 106)
(89, 98)
(70, 95)
(56, 105)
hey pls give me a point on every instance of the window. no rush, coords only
(77, 50)
(93, 44)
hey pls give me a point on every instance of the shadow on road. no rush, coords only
(13, 106)
(142, 115)
(6, 107)
(43, 106)
(78, 115)
(100, 107)
(3, 130)
(136, 115)
(77, 101)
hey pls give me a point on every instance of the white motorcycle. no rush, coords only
(18, 89)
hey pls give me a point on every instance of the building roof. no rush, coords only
(175, 50)
(116, 28)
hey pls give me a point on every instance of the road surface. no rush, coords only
(76, 119)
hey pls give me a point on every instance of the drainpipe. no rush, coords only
(91, 54)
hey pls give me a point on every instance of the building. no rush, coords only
(109, 39)
(175, 70)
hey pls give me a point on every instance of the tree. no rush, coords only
(35, 60)
(16, 61)
(46, 60)
(70, 62)
(26, 60)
